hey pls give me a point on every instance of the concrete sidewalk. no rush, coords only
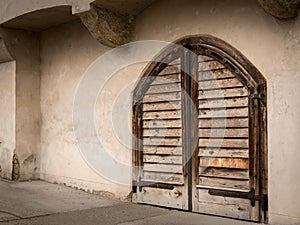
(42, 203)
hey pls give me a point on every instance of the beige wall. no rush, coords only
(66, 52)
(24, 49)
(7, 117)
(272, 46)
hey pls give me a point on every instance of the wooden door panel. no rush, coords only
(198, 128)
(223, 146)
(162, 156)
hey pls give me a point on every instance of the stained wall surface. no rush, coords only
(68, 50)
(7, 117)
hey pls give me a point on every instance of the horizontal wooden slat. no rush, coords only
(161, 106)
(162, 97)
(234, 92)
(235, 112)
(155, 196)
(162, 123)
(164, 88)
(162, 141)
(224, 163)
(238, 211)
(162, 115)
(237, 132)
(177, 132)
(162, 159)
(162, 150)
(223, 122)
(167, 168)
(217, 74)
(175, 62)
(231, 102)
(225, 83)
(170, 69)
(204, 196)
(203, 58)
(224, 153)
(167, 79)
(210, 65)
(224, 173)
(224, 183)
(162, 177)
(224, 143)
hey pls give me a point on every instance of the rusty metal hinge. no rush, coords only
(245, 195)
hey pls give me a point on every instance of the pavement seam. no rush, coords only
(12, 214)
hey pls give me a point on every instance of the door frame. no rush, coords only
(211, 46)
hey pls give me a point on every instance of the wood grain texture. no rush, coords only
(226, 93)
(223, 132)
(224, 173)
(223, 123)
(234, 163)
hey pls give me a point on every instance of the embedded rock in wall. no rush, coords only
(109, 28)
(281, 9)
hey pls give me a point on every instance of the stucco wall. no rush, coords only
(24, 49)
(66, 52)
(7, 117)
(272, 46)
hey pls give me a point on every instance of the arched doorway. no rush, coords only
(199, 118)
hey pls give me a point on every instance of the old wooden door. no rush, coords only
(199, 132)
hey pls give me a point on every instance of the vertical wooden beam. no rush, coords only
(194, 129)
(254, 151)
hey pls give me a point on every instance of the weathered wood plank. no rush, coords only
(229, 112)
(162, 177)
(170, 69)
(217, 74)
(237, 132)
(175, 62)
(224, 183)
(162, 150)
(224, 153)
(210, 65)
(231, 102)
(239, 211)
(162, 115)
(162, 97)
(162, 159)
(164, 88)
(203, 58)
(167, 79)
(221, 173)
(162, 132)
(234, 92)
(223, 122)
(169, 198)
(205, 197)
(161, 106)
(225, 83)
(166, 168)
(161, 123)
(224, 163)
(224, 143)
(162, 141)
